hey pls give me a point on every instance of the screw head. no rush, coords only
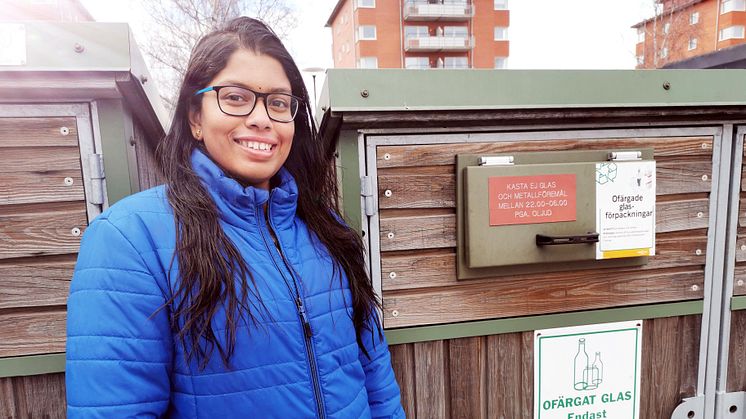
(739, 282)
(388, 193)
(387, 156)
(705, 177)
(75, 232)
(79, 48)
(64, 130)
(695, 287)
(743, 247)
(69, 181)
(364, 93)
(666, 85)
(700, 214)
(390, 236)
(392, 275)
(395, 313)
(698, 252)
(704, 146)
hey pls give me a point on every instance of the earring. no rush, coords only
(198, 134)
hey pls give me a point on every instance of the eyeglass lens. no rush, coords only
(240, 102)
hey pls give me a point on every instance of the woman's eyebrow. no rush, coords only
(239, 84)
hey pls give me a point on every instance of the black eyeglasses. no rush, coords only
(240, 101)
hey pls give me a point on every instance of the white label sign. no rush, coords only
(12, 44)
(588, 372)
(625, 209)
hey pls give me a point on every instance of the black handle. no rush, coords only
(544, 240)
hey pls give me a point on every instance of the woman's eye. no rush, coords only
(235, 98)
(279, 103)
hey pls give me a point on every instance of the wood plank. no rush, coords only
(663, 385)
(430, 376)
(504, 376)
(565, 291)
(737, 352)
(689, 355)
(35, 282)
(402, 362)
(7, 398)
(434, 155)
(527, 373)
(434, 269)
(466, 365)
(38, 132)
(739, 279)
(31, 333)
(41, 229)
(439, 191)
(37, 174)
(41, 396)
(439, 231)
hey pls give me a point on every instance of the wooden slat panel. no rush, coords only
(466, 367)
(41, 396)
(421, 269)
(402, 362)
(34, 283)
(37, 174)
(41, 230)
(661, 368)
(433, 154)
(37, 132)
(7, 398)
(439, 231)
(689, 354)
(430, 379)
(504, 376)
(566, 291)
(737, 352)
(439, 191)
(32, 333)
(527, 373)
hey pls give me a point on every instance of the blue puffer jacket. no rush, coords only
(123, 359)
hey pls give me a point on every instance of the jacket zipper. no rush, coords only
(300, 308)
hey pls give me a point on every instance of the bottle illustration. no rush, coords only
(598, 368)
(581, 379)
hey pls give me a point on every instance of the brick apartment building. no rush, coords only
(683, 29)
(420, 34)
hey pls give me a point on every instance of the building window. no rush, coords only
(501, 33)
(367, 33)
(456, 62)
(667, 28)
(664, 52)
(692, 43)
(368, 62)
(501, 4)
(416, 32)
(732, 6)
(640, 35)
(501, 63)
(366, 3)
(416, 62)
(731, 32)
(455, 31)
(694, 18)
(640, 59)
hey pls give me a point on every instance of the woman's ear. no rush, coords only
(195, 124)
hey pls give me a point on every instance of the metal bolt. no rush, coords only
(387, 156)
(743, 247)
(388, 193)
(75, 232)
(704, 146)
(739, 282)
(698, 252)
(666, 85)
(392, 275)
(705, 177)
(364, 93)
(69, 181)
(64, 130)
(323, 109)
(79, 48)
(695, 287)
(395, 313)
(700, 214)
(143, 79)
(390, 235)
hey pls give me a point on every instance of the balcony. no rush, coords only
(428, 12)
(438, 43)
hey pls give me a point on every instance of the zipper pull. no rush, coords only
(304, 319)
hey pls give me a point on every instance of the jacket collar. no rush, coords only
(239, 205)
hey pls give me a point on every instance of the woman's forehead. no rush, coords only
(259, 72)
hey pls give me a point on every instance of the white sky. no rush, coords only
(544, 34)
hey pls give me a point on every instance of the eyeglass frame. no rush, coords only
(257, 96)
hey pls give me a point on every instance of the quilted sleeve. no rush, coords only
(383, 391)
(119, 345)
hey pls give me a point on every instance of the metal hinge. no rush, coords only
(625, 155)
(96, 166)
(496, 161)
(366, 191)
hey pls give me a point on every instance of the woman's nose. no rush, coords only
(259, 116)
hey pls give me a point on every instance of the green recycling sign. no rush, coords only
(588, 372)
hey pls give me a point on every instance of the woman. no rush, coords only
(234, 290)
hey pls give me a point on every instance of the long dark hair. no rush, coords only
(210, 266)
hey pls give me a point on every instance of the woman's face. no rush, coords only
(249, 148)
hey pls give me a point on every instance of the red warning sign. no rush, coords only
(532, 199)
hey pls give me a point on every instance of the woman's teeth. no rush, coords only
(255, 145)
